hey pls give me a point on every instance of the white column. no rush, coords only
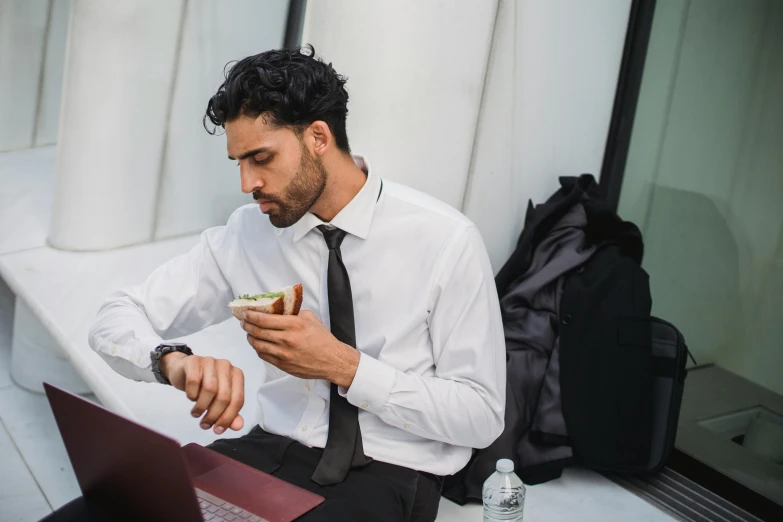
(415, 76)
(22, 39)
(120, 63)
(546, 109)
(199, 185)
(492, 196)
(52, 80)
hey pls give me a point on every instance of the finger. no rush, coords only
(265, 353)
(309, 318)
(265, 334)
(274, 361)
(265, 348)
(223, 396)
(209, 386)
(193, 379)
(271, 321)
(308, 315)
(238, 424)
(237, 383)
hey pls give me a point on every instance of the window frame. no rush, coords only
(629, 81)
(618, 142)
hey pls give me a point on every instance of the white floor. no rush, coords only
(35, 475)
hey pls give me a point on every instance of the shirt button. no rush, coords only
(307, 386)
(304, 428)
(407, 426)
(364, 405)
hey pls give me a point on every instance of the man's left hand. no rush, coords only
(302, 346)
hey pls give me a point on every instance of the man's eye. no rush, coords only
(259, 161)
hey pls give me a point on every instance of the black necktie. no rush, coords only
(344, 442)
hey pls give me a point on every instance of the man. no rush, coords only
(394, 369)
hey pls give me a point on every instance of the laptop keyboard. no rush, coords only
(217, 510)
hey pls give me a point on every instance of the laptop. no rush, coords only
(133, 469)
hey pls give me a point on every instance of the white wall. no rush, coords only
(32, 45)
(546, 108)
(705, 179)
(134, 161)
(200, 186)
(22, 38)
(116, 90)
(422, 107)
(52, 81)
(415, 77)
(418, 93)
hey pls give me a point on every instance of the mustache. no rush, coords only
(260, 195)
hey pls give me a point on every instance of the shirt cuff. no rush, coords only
(131, 358)
(371, 385)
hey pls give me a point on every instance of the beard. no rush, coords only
(301, 193)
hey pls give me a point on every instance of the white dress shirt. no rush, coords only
(431, 378)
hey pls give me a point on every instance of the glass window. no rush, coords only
(704, 182)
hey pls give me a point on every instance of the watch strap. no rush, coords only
(157, 354)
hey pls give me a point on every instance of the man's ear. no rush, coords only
(322, 138)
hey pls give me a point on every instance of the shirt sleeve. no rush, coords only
(183, 296)
(463, 403)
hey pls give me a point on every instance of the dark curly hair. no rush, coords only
(293, 87)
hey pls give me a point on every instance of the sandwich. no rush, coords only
(286, 301)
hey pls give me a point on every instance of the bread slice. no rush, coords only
(292, 299)
(273, 305)
(288, 304)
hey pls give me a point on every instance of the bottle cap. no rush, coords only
(505, 466)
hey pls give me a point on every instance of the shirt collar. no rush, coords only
(355, 218)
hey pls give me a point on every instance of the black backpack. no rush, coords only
(609, 394)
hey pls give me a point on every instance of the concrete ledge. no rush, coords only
(36, 357)
(61, 292)
(64, 290)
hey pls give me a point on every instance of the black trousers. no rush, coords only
(377, 492)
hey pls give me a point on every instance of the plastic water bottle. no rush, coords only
(503, 494)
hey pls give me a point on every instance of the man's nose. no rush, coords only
(249, 182)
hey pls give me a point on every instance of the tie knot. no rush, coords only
(333, 236)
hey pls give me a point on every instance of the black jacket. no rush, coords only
(575, 270)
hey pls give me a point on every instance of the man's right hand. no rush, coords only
(217, 388)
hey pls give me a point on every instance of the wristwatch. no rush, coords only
(162, 349)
